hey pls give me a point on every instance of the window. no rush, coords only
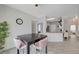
(73, 28)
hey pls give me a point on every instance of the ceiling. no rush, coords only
(49, 10)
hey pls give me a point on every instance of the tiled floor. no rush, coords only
(70, 46)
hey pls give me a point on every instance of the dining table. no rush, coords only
(32, 38)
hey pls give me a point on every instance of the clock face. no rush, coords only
(19, 21)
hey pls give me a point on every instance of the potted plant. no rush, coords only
(3, 33)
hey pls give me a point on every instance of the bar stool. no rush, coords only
(41, 45)
(19, 45)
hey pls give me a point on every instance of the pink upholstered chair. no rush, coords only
(19, 44)
(38, 46)
(41, 45)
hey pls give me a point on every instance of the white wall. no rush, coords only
(10, 15)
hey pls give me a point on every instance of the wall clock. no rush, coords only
(19, 21)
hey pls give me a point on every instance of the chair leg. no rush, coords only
(38, 50)
(18, 51)
(23, 51)
(46, 49)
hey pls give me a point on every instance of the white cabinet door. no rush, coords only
(55, 37)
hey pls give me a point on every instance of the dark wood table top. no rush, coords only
(31, 38)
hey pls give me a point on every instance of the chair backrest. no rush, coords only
(18, 43)
(42, 43)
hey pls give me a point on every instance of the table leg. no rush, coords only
(46, 50)
(17, 51)
(28, 48)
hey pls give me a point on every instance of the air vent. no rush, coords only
(36, 5)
